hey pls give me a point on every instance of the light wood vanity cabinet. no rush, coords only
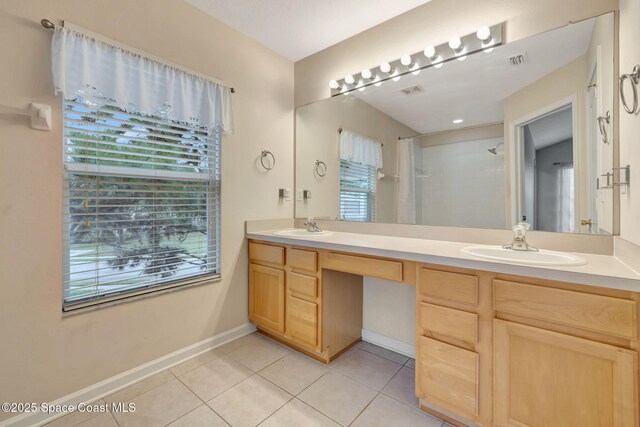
(491, 349)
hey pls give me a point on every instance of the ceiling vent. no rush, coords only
(518, 59)
(412, 90)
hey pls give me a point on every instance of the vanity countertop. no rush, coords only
(601, 270)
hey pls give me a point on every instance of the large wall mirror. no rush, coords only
(523, 131)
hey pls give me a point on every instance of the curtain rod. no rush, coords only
(451, 130)
(47, 24)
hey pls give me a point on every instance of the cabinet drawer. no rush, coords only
(303, 285)
(302, 321)
(447, 321)
(455, 287)
(303, 260)
(596, 313)
(449, 376)
(266, 253)
(365, 266)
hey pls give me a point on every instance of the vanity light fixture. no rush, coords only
(385, 67)
(456, 45)
(484, 39)
(484, 34)
(407, 61)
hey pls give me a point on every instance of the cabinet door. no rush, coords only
(266, 297)
(544, 378)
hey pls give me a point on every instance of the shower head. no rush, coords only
(494, 150)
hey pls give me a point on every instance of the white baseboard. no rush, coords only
(389, 343)
(120, 381)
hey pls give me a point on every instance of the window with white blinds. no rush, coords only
(357, 191)
(141, 203)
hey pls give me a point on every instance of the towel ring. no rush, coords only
(264, 154)
(634, 78)
(603, 121)
(321, 168)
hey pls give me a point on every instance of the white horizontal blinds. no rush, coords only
(357, 191)
(142, 202)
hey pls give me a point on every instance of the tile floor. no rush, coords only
(256, 381)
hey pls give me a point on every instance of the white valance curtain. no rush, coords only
(360, 149)
(406, 209)
(135, 83)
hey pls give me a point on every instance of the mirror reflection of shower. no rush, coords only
(494, 149)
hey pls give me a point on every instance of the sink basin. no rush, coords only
(300, 232)
(541, 258)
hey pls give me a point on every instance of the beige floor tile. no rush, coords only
(298, 414)
(101, 420)
(250, 402)
(160, 406)
(338, 397)
(236, 344)
(383, 352)
(294, 372)
(74, 418)
(402, 387)
(211, 379)
(258, 354)
(345, 355)
(127, 394)
(202, 416)
(195, 362)
(411, 364)
(385, 411)
(369, 369)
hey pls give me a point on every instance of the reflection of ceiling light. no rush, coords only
(438, 65)
(488, 50)
(395, 77)
(366, 74)
(348, 79)
(484, 34)
(377, 82)
(457, 121)
(462, 58)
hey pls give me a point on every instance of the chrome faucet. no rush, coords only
(312, 227)
(519, 239)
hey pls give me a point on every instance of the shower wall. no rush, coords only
(461, 185)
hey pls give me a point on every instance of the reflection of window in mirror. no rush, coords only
(357, 191)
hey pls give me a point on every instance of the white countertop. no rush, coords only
(601, 270)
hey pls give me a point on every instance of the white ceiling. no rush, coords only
(474, 89)
(551, 129)
(299, 28)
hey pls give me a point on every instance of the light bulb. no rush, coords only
(484, 34)
(366, 73)
(348, 79)
(334, 84)
(385, 67)
(377, 82)
(430, 52)
(455, 43)
(406, 60)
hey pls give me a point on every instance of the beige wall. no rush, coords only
(317, 138)
(432, 24)
(45, 356)
(630, 124)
